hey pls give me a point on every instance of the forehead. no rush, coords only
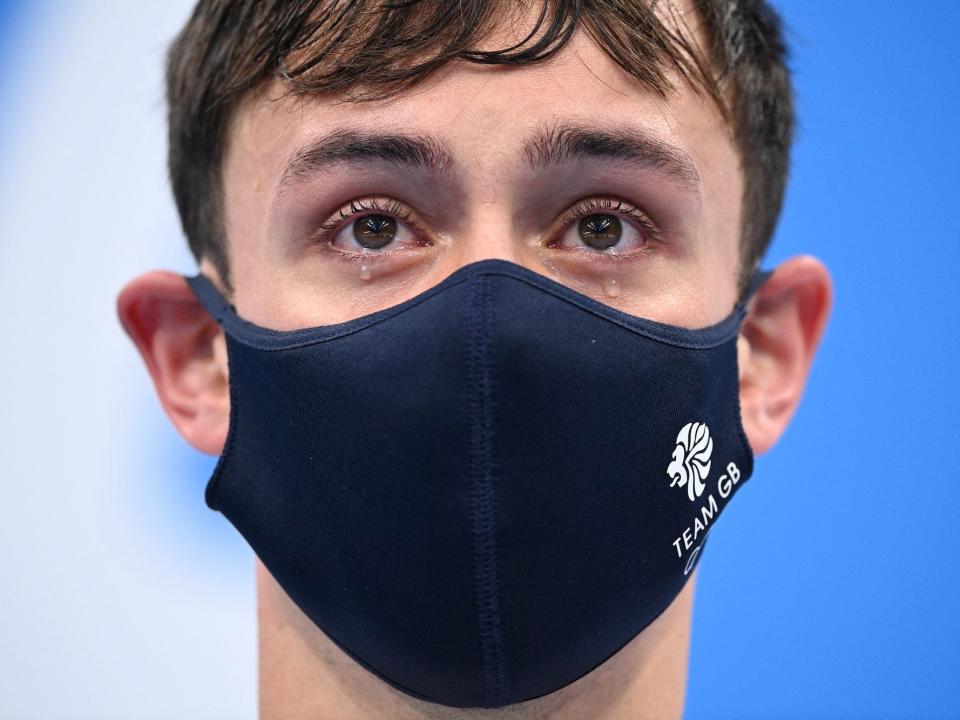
(485, 115)
(486, 109)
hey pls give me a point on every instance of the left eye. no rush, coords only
(371, 233)
(600, 230)
(592, 227)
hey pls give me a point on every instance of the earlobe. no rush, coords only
(778, 340)
(185, 353)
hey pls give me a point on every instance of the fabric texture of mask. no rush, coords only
(482, 493)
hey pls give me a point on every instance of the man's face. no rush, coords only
(650, 226)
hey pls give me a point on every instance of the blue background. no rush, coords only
(831, 588)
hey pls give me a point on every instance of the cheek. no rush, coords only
(722, 189)
(722, 242)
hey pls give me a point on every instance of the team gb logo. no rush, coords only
(691, 458)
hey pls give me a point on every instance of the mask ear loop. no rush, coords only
(210, 297)
(758, 278)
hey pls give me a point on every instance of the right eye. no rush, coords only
(365, 227)
(608, 228)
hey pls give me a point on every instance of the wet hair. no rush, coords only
(366, 50)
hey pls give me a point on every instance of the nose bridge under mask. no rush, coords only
(477, 494)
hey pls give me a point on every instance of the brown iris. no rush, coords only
(374, 231)
(600, 230)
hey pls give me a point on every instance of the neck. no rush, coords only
(303, 674)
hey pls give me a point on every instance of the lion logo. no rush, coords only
(691, 458)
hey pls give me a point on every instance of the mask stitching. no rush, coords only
(268, 339)
(483, 499)
(656, 328)
(274, 340)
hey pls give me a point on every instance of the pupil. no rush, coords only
(600, 230)
(374, 231)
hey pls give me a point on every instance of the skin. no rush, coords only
(494, 207)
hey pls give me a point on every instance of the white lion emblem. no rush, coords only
(691, 458)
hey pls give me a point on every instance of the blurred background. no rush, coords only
(831, 587)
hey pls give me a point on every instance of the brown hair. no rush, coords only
(374, 49)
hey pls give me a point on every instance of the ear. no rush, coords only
(184, 351)
(778, 339)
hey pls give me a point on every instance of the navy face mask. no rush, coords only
(481, 493)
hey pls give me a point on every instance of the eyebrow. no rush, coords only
(552, 146)
(359, 147)
(549, 146)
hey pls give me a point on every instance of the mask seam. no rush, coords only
(651, 333)
(270, 340)
(483, 499)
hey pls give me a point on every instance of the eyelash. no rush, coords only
(352, 211)
(649, 230)
(392, 207)
(327, 231)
